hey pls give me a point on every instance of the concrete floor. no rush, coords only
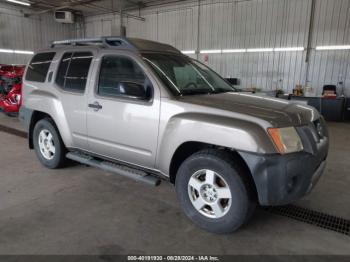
(81, 210)
(12, 122)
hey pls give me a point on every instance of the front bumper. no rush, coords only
(283, 179)
(8, 107)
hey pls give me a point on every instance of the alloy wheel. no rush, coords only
(46, 144)
(209, 193)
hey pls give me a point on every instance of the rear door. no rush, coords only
(124, 109)
(71, 83)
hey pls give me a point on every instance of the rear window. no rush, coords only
(39, 66)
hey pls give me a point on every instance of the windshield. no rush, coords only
(185, 76)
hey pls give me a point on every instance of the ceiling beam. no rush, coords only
(155, 3)
(67, 6)
(107, 10)
(43, 4)
(139, 4)
(86, 3)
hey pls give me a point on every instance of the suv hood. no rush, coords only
(278, 112)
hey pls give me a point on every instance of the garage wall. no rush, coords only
(332, 27)
(20, 33)
(250, 24)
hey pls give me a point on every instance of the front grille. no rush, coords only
(309, 138)
(315, 218)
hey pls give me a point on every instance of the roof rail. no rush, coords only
(103, 41)
(117, 42)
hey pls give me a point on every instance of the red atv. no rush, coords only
(11, 88)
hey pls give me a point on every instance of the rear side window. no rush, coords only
(73, 71)
(39, 66)
(62, 69)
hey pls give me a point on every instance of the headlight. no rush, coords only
(286, 140)
(17, 98)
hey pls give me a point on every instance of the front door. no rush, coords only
(123, 111)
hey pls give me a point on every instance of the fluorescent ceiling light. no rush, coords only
(19, 2)
(257, 50)
(23, 52)
(6, 51)
(281, 49)
(234, 51)
(217, 51)
(188, 52)
(11, 51)
(253, 50)
(333, 47)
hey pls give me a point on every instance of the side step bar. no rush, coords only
(107, 166)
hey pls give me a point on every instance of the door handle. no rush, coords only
(96, 106)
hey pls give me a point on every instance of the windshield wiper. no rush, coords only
(222, 90)
(205, 92)
(196, 92)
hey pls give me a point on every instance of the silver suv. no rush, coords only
(143, 110)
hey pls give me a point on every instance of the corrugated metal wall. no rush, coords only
(332, 27)
(18, 32)
(102, 25)
(257, 24)
(220, 24)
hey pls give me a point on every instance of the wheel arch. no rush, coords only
(187, 149)
(41, 103)
(35, 118)
(218, 131)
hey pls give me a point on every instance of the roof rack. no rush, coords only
(120, 42)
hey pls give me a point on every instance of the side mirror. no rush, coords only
(134, 90)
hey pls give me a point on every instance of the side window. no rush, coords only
(122, 77)
(39, 66)
(78, 71)
(73, 71)
(62, 69)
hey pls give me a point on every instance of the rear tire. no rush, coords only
(11, 114)
(48, 144)
(214, 191)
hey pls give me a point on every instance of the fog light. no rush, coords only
(291, 184)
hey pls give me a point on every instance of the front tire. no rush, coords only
(48, 144)
(214, 191)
